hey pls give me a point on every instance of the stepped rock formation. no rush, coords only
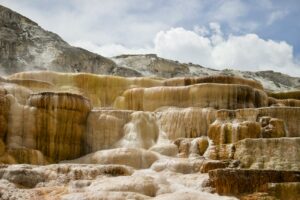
(147, 129)
(213, 95)
(183, 132)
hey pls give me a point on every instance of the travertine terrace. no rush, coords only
(87, 136)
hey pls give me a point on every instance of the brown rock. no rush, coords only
(239, 181)
(4, 113)
(258, 196)
(220, 152)
(273, 128)
(213, 79)
(286, 191)
(213, 164)
(230, 132)
(290, 116)
(31, 156)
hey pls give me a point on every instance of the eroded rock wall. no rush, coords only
(275, 153)
(186, 122)
(235, 182)
(218, 96)
(157, 128)
(54, 123)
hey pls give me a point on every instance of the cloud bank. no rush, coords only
(211, 48)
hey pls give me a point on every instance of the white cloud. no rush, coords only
(127, 22)
(181, 44)
(245, 52)
(110, 50)
(201, 30)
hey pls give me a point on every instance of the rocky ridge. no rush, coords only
(152, 65)
(24, 45)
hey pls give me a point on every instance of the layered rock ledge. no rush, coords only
(243, 181)
(165, 135)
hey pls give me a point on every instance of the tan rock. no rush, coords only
(273, 128)
(141, 132)
(213, 79)
(31, 156)
(137, 158)
(105, 195)
(220, 152)
(274, 153)
(49, 117)
(178, 165)
(219, 96)
(102, 90)
(290, 116)
(186, 122)
(230, 132)
(165, 149)
(104, 129)
(191, 146)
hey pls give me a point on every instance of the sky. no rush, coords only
(248, 35)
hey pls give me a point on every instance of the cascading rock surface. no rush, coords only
(109, 137)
